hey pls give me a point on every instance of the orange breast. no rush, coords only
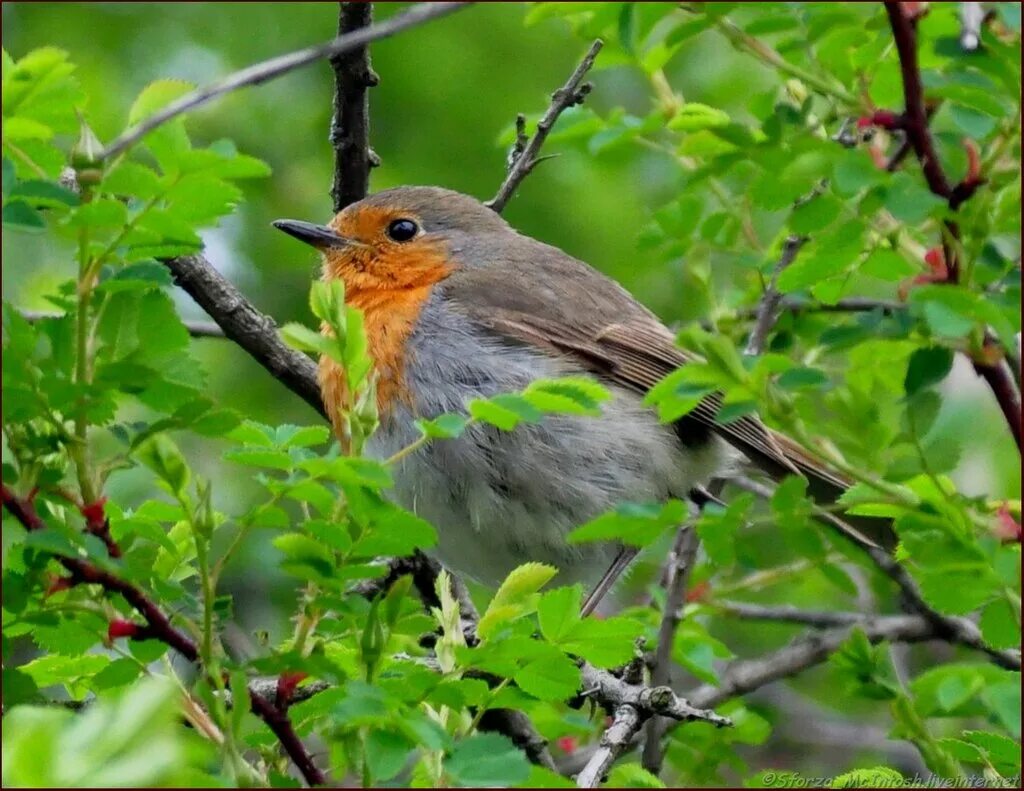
(390, 314)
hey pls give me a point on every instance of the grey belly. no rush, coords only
(500, 499)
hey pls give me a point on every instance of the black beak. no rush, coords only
(319, 236)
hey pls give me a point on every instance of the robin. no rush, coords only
(459, 305)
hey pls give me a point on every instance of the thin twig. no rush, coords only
(768, 309)
(818, 619)
(282, 64)
(954, 629)
(570, 94)
(848, 305)
(158, 626)
(197, 329)
(350, 123)
(681, 561)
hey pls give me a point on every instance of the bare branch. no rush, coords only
(818, 619)
(158, 626)
(745, 675)
(614, 741)
(768, 309)
(849, 305)
(282, 64)
(350, 124)
(242, 323)
(613, 692)
(681, 561)
(570, 94)
(958, 630)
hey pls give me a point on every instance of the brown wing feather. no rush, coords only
(550, 300)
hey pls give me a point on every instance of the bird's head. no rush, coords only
(405, 237)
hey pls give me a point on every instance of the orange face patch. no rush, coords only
(389, 281)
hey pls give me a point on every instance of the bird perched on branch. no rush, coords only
(459, 305)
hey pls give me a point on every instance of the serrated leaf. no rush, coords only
(549, 678)
(155, 96)
(558, 611)
(486, 760)
(636, 524)
(999, 624)
(446, 426)
(504, 411)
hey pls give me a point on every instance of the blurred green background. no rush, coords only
(448, 90)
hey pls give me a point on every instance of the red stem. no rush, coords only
(915, 125)
(159, 627)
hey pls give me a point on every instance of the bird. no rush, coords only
(458, 305)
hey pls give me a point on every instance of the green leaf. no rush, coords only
(814, 214)
(132, 179)
(162, 456)
(446, 426)
(44, 194)
(559, 611)
(927, 366)
(486, 760)
(605, 643)
(504, 411)
(570, 396)
(1000, 625)
(100, 213)
(549, 678)
(632, 776)
(693, 117)
(156, 96)
(636, 524)
(386, 753)
(515, 597)
(909, 201)
(1003, 753)
(304, 339)
(23, 216)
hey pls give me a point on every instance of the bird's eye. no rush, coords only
(402, 230)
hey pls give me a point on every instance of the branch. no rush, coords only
(849, 305)
(159, 627)
(767, 310)
(276, 67)
(915, 126)
(818, 619)
(570, 94)
(350, 124)
(633, 705)
(197, 329)
(954, 629)
(681, 561)
(745, 675)
(242, 323)
(915, 119)
(614, 741)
